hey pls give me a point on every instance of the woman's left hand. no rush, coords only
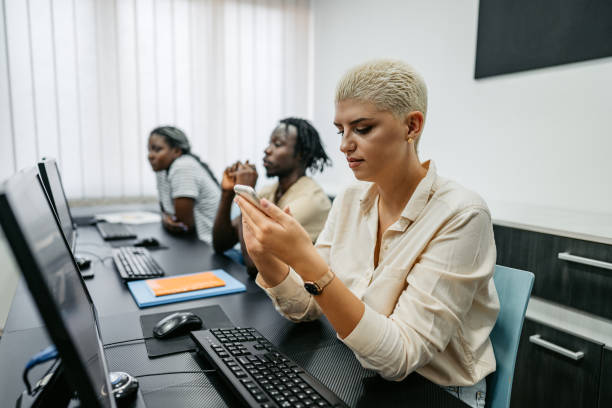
(277, 232)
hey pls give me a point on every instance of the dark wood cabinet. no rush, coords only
(572, 284)
(605, 380)
(558, 365)
(547, 378)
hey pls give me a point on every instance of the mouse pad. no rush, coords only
(212, 317)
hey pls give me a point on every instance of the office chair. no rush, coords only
(513, 288)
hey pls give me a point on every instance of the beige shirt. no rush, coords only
(431, 303)
(307, 201)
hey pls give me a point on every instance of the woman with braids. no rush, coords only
(188, 191)
(294, 148)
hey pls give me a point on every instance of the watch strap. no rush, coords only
(323, 281)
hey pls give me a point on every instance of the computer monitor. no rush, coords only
(52, 181)
(57, 288)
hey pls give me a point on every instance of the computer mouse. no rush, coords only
(149, 242)
(176, 324)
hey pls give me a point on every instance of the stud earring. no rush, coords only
(410, 140)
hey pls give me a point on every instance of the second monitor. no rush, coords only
(52, 180)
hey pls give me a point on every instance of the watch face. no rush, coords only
(312, 288)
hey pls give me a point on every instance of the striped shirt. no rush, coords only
(187, 178)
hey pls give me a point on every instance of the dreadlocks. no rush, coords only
(308, 144)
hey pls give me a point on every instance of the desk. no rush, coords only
(313, 345)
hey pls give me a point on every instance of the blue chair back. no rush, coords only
(513, 288)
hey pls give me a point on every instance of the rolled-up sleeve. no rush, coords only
(291, 299)
(440, 291)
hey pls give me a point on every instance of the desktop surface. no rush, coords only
(312, 345)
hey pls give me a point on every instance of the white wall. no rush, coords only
(542, 137)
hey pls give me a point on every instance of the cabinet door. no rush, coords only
(547, 378)
(605, 382)
(573, 284)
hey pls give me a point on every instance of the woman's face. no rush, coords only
(373, 141)
(161, 155)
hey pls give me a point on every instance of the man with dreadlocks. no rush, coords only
(294, 147)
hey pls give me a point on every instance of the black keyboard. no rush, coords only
(135, 263)
(111, 230)
(259, 374)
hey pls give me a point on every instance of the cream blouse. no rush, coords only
(431, 303)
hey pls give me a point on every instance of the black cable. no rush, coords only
(118, 343)
(40, 358)
(123, 343)
(80, 251)
(24, 376)
(176, 372)
(53, 367)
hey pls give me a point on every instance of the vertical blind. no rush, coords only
(85, 81)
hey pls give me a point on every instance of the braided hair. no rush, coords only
(308, 144)
(175, 137)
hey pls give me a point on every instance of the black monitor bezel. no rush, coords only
(43, 297)
(42, 171)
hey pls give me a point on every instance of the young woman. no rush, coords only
(403, 267)
(187, 189)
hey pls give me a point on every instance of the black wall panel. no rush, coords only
(518, 35)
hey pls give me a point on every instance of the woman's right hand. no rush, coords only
(272, 270)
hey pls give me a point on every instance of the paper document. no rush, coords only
(131, 217)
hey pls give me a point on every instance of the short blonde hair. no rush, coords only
(390, 85)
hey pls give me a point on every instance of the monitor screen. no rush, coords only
(56, 285)
(49, 172)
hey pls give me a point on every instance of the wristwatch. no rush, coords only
(316, 288)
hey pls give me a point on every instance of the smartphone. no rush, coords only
(248, 193)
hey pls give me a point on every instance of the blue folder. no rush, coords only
(144, 296)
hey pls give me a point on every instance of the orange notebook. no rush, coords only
(186, 283)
